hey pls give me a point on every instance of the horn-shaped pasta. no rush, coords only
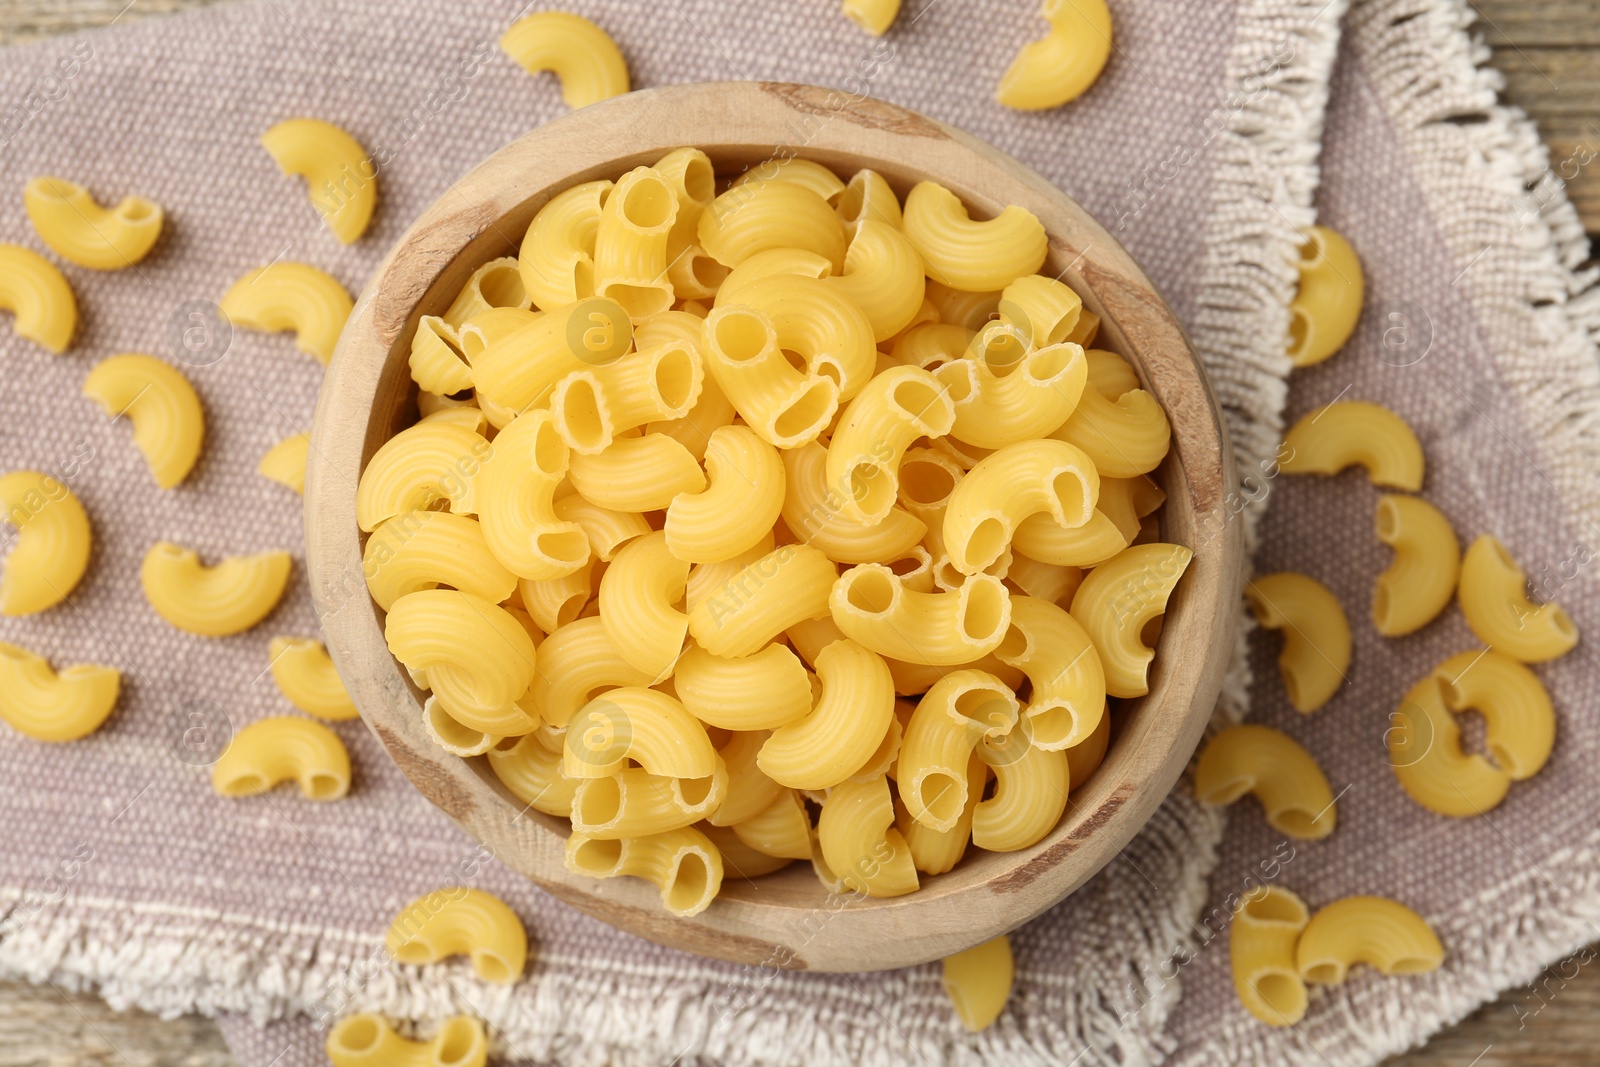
(574, 662)
(556, 259)
(781, 829)
(1068, 684)
(1316, 635)
(1030, 792)
(285, 462)
(423, 549)
(759, 215)
(774, 262)
(437, 459)
(479, 659)
(521, 367)
(1427, 561)
(1084, 758)
(1261, 943)
(807, 172)
(966, 254)
(579, 53)
(295, 298)
(868, 195)
(461, 922)
(168, 424)
(1117, 600)
(739, 857)
(51, 549)
(742, 499)
(646, 726)
(607, 531)
(859, 843)
(693, 180)
(1516, 708)
(931, 345)
(590, 407)
(750, 791)
(637, 473)
(33, 290)
(708, 579)
(305, 674)
(1327, 305)
(451, 734)
(514, 492)
(554, 602)
(1355, 433)
(1028, 478)
(1089, 545)
(897, 407)
(1045, 309)
(1425, 753)
(766, 689)
(784, 406)
(341, 179)
(788, 585)
(871, 604)
(958, 712)
(634, 803)
(682, 863)
(842, 732)
(80, 231)
(1047, 581)
(1269, 764)
(999, 404)
(368, 1041)
(1494, 599)
(937, 851)
(532, 771)
(814, 511)
(978, 982)
(1379, 932)
(40, 703)
(630, 258)
(269, 752)
(817, 322)
(494, 287)
(217, 601)
(1126, 436)
(883, 276)
(639, 595)
(1060, 66)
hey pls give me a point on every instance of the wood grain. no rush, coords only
(1550, 52)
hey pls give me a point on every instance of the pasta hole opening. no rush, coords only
(506, 744)
(741, 336)
(1053, 725)
(917, 399)
(707, 271)
(1071, 492)
(984, 546)
(325, 786)
(808, 413)
(567, 611)
(1048, 364)
(871, 591)
(942, 795)
(549, 451)
(1001, 351)
(690, 882)
(673, 377)
(358, 1035)
(986, 709)
(1563, 623)
(648, 203)
(1412, 965)
(599, 801)
(1014, 645)
(583, 277)
(1283, 993)
(700, 180)
(871, 486)
(853, 200)
(639, 301)
(1324, 973)
(414, 952)
(946, 576)
(243, 785)
(491, 968)
(1388, 521)
(459, 1040)
(472, 343)
(135, 210)
(984, 612)
(1299, 332)
(1313, 250)
(449, 731)
(597, 858)
(1150, 634)
(1275, 907)
(925, 482)
(955, 376)
(1381, 613)
(584, 416)
(824, 366)
(1225, 793)
(501, 287)
(1299, 823)
(694, 792)
(907, 565)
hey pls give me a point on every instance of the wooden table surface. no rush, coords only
(1549, 51)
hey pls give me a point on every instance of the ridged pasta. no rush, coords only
(742, 498)
(1516, 709)
(306, 676)
(269, 752)
(33, 290)
(168, 423)
(782, 828)
(759, 215)
(591, 407)
(478, 659)
(635, 803)
(761, 691)
(937, 851)
(637, 604)
(839, 736)
(817, 322)
(461, 921)
(630, 257)
(1327, 305)
(285, 462)
(897, 407)
(955, 716)
(1379, 932)
(683, 864)
(420, 466)
(1273, 767)
(637, 473)
(289, 297)
(1350, 433)
(1030, 793)
(978, 982)
(1000, 400)
(967, 254)
(858, 841)
(813, 509)
(580, 54)
(883, 276)
(788, 585)
(868, 195)
(1068, 685)
(871, 604)
(495, 286)
(1118, 599)
(341, 179)
(1261, 954)
(1062, 65)
(607, 531)
(531, 770)
(1126, 436)
(423, 549)
(521, 368)
(556, 258)
(1417, 585)
(784, 406)
(1021, 480)
(50, 552)
(45, 705)
(216, 601)
(515, 490)
(1494, 599)
(368, 1041)
(1316, 635)
(81, 231)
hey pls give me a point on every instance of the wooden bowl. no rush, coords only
(787, 919)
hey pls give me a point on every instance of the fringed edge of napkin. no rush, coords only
(1530, 272)
(172, 960)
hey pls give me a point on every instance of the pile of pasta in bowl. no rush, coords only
(786, 522)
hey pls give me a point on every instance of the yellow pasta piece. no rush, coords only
(341, 179)
(272, 751)
(1028, 478)
(168, 423)
(897, 407)
(790, 168)
(285, 462)
(871, 604)
(637, 604)
(51, 549)
(1045, 309)
(750, 792)
(520, 368)
(580, 54)
(1283, 776)
(452, 735)
(683, 864)
(465, 922)
(840, 735)
(883, 276)
(1109, 374)
(515, 487)
(961, 710)
(575, 661)
(556, 258)
(630, 259)
(738, 858)
(479, 660)
(40, 703)
(781, 829)
(1427, 562)
(816, 321)
(1494, 599)
(304, 673)
(591, 407)
(868, 195)
(760, 215)
(291, 297)
(637, 473)
(1425, 753)
(1115, 603)
(554, 602)
(1261, 953)
(1327, 305)
(34, 291)
(423, 549)
(814, 511)
(1515, 707)
(493, 300)
(1030, 793)
(741, 500)
(531, 770)
(644, 725)
(1354, 433)
(368, 1041)
(978, 982)
(635, 803)
(217, 601)
(785, 407)
(1379, 932)
(1084, 758)
(858, 841)
(967, 254)
(80, 231)
(707, 580)
(1060, 66)
(1126, 436)
(1008, 394)
(788, 585)
(937, 851)
(874, 16)
(766, 689)
(930, 345)
(1068, 694)
(1316, 635)
(1047, 581)
(437, 459)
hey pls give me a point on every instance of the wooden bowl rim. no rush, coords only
(483, 215)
